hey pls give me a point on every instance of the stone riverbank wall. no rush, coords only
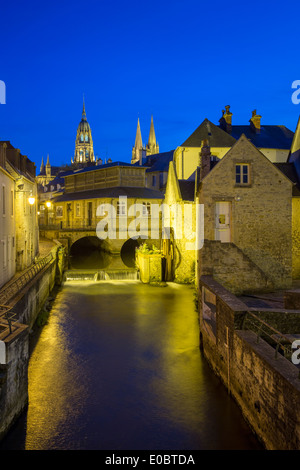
(243, 351)
(17, 318)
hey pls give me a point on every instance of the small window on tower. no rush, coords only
(86, 138)
(81, 137)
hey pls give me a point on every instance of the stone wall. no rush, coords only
(14, 348)
(227, 264)
(260, 212)
(13, 378)
(296, 237)
(266, 387)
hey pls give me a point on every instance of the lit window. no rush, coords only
(59, 211)
(242, 175)
(146, 208)
(121, 208)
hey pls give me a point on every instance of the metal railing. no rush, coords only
(276, 339)
(13, 287)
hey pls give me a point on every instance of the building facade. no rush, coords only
(19, 227)
(274, 141)
(247, 221)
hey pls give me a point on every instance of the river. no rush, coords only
(118, 367)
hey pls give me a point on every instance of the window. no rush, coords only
(77, 209)
(11, 202)
(242, 175)
(59, 211)
(146, 208)
(86, 138)
(153, 180)
(81, 137)
(121, 208)
(3, 200)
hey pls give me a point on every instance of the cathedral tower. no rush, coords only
(152, 147)
(139, 151)
(84, 151)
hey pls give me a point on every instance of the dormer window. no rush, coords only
(81, 137)
(86, 138)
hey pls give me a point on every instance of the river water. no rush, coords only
(118, 367)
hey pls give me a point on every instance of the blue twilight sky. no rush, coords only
(181, 61)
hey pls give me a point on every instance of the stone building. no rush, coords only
(76, 213)
(47, 173)
(274, 141)
(247, 220)
(19, 227)
(139, 151)
(180, 227)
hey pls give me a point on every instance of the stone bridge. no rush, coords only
(87, 251)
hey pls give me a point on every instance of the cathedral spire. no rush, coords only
(83, 110)
(152, 146)
(138, 138)
(152, 138)
(42, 168)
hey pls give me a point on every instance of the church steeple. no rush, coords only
(42, 168)
(137, 150)
(83, 117)
(84, 151)
(152, 147)
(48, 167)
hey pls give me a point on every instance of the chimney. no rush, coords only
(204, 159)
(255, 122)
(3, 154)
(226, 120)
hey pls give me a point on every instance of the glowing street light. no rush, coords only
(48, 204)
(31, 200)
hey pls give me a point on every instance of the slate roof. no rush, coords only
(289, 170)
(270, 136)
(187, 189)
(159, 161)
(207, 130)
(100, 167)
(114, 192)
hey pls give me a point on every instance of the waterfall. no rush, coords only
(101, 275)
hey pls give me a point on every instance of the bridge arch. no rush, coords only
(127, 252)
(90, 252)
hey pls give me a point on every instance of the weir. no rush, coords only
(102, 275)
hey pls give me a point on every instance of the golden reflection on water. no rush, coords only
(179, 354)
(50, 369)
(118, 366)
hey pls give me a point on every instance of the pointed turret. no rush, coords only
(42, 168)
(138, 137)
(137, 150)
(48, 168)
(83, 111)
(152, 139)
(152, 146)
